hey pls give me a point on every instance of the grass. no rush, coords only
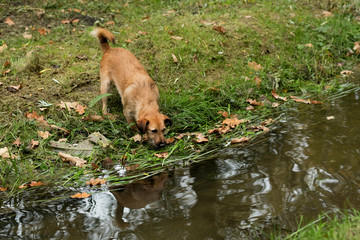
(212, 74)
(344, 226)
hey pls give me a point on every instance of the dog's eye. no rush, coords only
(154, 131)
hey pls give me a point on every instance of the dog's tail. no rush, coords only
(104, 36)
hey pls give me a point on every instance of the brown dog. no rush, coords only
(139, 94)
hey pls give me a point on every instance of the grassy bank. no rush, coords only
(345, 226)
(205, 56)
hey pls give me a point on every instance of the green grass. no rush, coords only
(345, 226)
(211, 75)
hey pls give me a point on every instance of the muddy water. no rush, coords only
(307, 165)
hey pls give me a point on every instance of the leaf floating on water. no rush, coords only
(81, 195)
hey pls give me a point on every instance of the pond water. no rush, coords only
(308, 164)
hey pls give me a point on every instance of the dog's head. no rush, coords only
(154, 127)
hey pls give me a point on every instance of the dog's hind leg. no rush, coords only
(104, 88)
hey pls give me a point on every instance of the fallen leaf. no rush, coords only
(357, 47)
(330, 117)
(7, 63)
(23, 186)
(257, 80)
(33, 144)
(177, 37)
(254, 65)
(42, 31)
(200, 138)
(254, 102)
(9, 21)
(221, 130)
(259, 128)
(80, 109)
(309, 45)
(142, 32)
(74, 160)
(268, 122)
(80, 195)
(175, 60)
(14, 88)
(220, 29)
(27, 35)
(233, 122)
(132, 167)
(161, 155)
(44, 135)
(249, 108)
(67, 105)
(129, 41)
(65, 21)
(17, 142)
(3, 47)
(4, 152)
(169, 140)
(276, 96)
(224, 114)
(346, 73)
(95, 181)
(327, 14)
(240, 140)
(40, 13)
(137, 138)
(3, 189)
(77, 10)
(110, 23)
(36, 184)
(93, 118)
(75, 20)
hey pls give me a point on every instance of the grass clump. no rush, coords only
(300, 50)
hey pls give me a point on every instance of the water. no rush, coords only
(308, 165)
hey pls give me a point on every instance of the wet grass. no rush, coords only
(211, 75)
(344, 226)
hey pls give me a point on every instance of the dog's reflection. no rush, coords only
(138, 194)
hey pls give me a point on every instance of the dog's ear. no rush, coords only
(167, 121)
(142, 125)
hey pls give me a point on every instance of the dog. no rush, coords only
(139, 94)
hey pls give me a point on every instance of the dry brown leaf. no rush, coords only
(200, 138)
(23, 186)
(9, 21)
(296, 99)
(80, 195)
(132, 167)
(7, 63)
(75, 20)
(36, 184)
(177, 37)
(254, 102)
(74, 160)
(169, 140)
(137, 138)
(276, 96)
(44, 135)
(3, 47)
(346, 73)
(254, 65)
(95, 181)
(93, 118)
(257, 81)
(259, 128)
(4, 152)
(17, 142)
(161, 155)
(221, 130)
(249, 108)
(80, 109)
(268, 121)
(240, 140)
(67, 105)
(65, 21)
(220, 29)
(33, 144)
(309, 45)
(233, 122)
(175, 60)
(142, 32)
(357, 47)
(223, 113)
(14, 88)
(27, 35)
(110, 23)
(42, 31)
(327, 14)
(2, 189)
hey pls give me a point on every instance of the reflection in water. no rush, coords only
(308, 165)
